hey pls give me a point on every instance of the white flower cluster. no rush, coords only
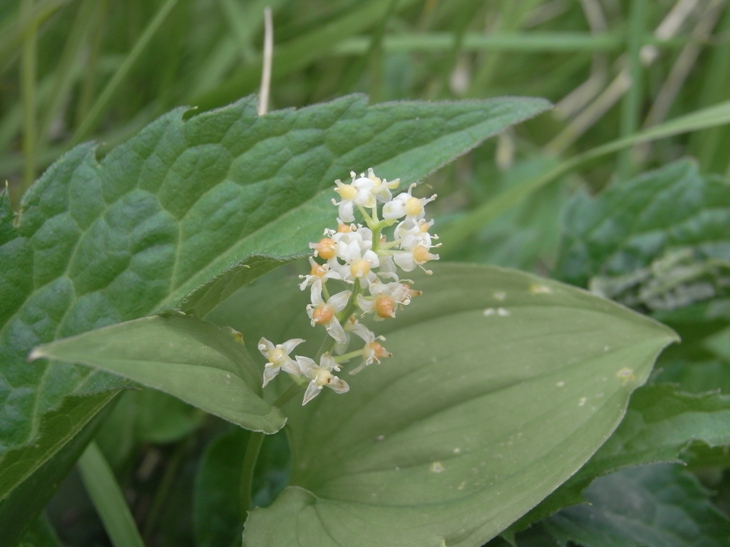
(367, 262)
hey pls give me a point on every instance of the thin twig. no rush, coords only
(268, 56)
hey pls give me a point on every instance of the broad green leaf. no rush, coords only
(660, 424)
(180, 211)
(502, 386)
(658, 241)
(651, 506)
(194, 360)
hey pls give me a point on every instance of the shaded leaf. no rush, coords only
(196, 361)
(20, 509)
(216, 510)
(650, 506)
(180, 211)
(477, 417)
(659, 241)
(217, 507)
(660, 424)
(40, 534)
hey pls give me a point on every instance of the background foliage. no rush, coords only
(71, 71)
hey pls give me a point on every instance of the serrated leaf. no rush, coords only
(660, 424)
(650, 506)
(502, 385)
(193, 360)
(179, 211)
(658, 241)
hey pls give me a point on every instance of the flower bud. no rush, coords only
(322, 315)
(385, 306)
(325, 248)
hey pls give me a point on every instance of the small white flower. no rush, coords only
(317, 271)
(381, 187)
(320, 376)
(359, 192)
(414, 253)
(408, 231)
(385, 299)
(325, 313)
(372, 351)
(278, 358)
(351, 245)
(405, 205)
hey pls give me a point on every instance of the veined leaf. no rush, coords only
(650, 506)
(660, 424)
(180, 211)
(502, 386)
(658, 240)
(196, 361)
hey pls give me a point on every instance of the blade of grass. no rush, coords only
(66, 73)
(631, 106)
(526, 42)
(88, 84)
(13, 32)
(28, 91)
(108, 499)
(512, 16)
(458, 232)
(710, 146)
(298, 52)
(103, 100)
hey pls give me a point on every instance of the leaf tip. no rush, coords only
(36, 353)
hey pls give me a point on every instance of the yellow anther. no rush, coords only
(413, 207)
(346, 191)
(421, 254)
(359, 267)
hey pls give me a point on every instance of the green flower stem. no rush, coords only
(328, 343)
(347, 356)
(349, 309)
(252, 453)
(247, 471)
(325, 292)
(289, 393)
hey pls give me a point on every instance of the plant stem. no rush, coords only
(108, 498)
(247, 472)
(340, 359)
(252, 454)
